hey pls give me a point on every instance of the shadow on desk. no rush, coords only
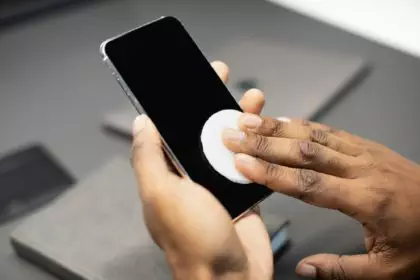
(335, 238)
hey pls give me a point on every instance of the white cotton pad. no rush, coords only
(220, 157)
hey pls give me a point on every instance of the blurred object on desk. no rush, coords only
(297, 81)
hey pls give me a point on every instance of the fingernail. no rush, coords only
(306, 271)
(283, 119)
(233, 135)
(245, 159)
(250, 121)
(139, 124)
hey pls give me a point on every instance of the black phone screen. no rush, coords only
(179, 91)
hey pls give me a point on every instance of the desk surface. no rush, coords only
(50, 64)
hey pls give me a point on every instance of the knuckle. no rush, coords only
(336, 145)
(339, 272)
(137, 145)
(271, 170)
(276, 128)
(141, 151)
(308, 150)
(308, 182)
(136, 148)
(260, 143)
(273, 173)
(319, 136)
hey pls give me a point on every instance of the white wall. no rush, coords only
(395, 23)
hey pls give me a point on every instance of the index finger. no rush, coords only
(148, 159)
(316, 188)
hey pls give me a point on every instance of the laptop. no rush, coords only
(299, 82)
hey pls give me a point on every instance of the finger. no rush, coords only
(358, 142)
(258, 250)
(149, 162)
(331, 267)
(222, 70)
(291, 152)
(341, 134)
(307, 185)
(253, 101)
(298, 130)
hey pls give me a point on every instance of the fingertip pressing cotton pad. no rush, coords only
(220, 157)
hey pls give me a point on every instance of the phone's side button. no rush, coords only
(122, 85)
(120, 82)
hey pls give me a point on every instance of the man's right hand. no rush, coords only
(337, 170)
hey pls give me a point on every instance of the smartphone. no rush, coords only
(165, 75)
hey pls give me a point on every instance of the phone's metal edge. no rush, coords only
(139, 108)
(102, 47)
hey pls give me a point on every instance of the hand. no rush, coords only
(195, 231)
(334, 169)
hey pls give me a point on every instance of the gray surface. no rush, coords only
(111, 242)
(54, 90)
(287, 73)
(18, 9)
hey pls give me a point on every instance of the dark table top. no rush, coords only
(49, 62)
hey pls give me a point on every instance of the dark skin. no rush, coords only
(337, 170)
(309, 161)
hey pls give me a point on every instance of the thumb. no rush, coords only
(148, 159)
(331, 267)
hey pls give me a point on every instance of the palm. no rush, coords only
(218, 236)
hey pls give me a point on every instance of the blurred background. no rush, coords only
(63, 119)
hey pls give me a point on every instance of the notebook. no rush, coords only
(30, 177)
(95, 231)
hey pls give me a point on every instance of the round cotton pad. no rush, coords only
(220, 157)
